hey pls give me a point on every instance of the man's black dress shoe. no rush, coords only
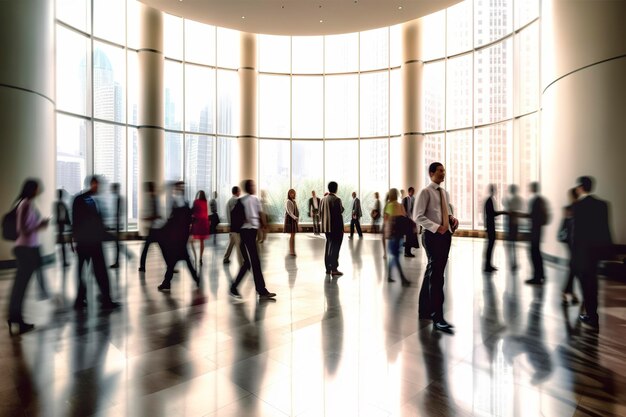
(443, 327)
(588, 320)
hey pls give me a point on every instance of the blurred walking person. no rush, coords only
(292, 216)
(62, 219)
(513, 206)
(152, 217)
(200, 226)
(214, 219)
(566, 235)
(357, 213)
(538, 215)
(331, 216)
(233, 236)
(490, 214)
(395, 229)
(314, 212)
(376, 214)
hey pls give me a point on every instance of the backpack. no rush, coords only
(237, 216)
(9, 224)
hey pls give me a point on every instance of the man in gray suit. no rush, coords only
(331, 213)
(356, 216)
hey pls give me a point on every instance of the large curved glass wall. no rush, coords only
(481, 99)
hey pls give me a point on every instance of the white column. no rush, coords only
(151, 107)
(248, 139)
(584, 102)
(412, 148)
(27, 108)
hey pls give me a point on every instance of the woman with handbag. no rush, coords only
(292, 217)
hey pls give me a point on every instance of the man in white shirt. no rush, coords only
(248, 232)
(434, 213)
(233, 236)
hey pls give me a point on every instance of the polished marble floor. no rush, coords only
(351, 346)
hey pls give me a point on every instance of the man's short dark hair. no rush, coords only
(433, 167)
(332, 187)
(411, 189)
(586, 183)
(247, 185)
(234, 190)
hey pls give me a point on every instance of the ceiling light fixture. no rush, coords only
(321, 21)
(399, 7)
(243, 17)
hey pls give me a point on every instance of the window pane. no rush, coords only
(342, 167)
(492, 20)
(274, 53)
(434, 151)
(395, 176)
(307, 173)
(493, 164)
(374, 46)
(374, 174)
(395, 47)
(72, 133)
(227, 102)
(525, 11)
(396, 102)
(199, 99)
(198, 165)
(434, 88)
(132, 21)
(374, 104)
(342, 53)
(528, 158)
(133, 188)
(133, 87)
(308, 107)
(227, 48)
(274, 177)
(459, 92)
(528, 70)
(199, 43)
(227, 173)
(459, 175)
(173, 157)
(109, 150)
(109, 20)
(76, 13)
(459, 28)
(308, 54)
(173, 90)
(493, 83)
(434, 39)
(274, 106)
(109, 82)
(342, 106)
(172, 36)
(73, 58)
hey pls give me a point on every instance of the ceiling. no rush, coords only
(300, 17)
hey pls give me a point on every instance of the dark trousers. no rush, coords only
(569, 284)
(150, 239)
(61, 240)
(588, 275)
(331, 251)
(355, 223)
(92, 252)
(491, 241)
(393, 249)
(431, 296)
(171, 262)
(250, 261)
(535, 255)
(28, 260)
(316, 224)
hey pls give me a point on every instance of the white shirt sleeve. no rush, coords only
(419, 212)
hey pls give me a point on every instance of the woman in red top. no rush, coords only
(200, 225)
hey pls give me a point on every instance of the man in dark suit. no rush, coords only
(490, 225)
(356, 216)
(314, 212)
(538, 218)
(408, 203)
(331, 211)
(89, 232)
(591, 236)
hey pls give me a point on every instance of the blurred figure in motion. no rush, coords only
(200, 225)
(89, 232)
(292, 216)
(331, 215)
(395, 226)
(117, 218)
(408, 203)
(539, 217)
(265, 218)
(376, 214)
(566, 235)
(591, 238)
(62, 216)
(152, 217)
(490, 214)
(233, 236)
(174, 237)
(28, 223)
(513, 206)
(314, 212)
(356, 216)
(214, 219)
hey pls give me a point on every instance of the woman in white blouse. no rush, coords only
(291, 220)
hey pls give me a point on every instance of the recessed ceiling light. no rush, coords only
(399, 7)
(243, 17)
(321, 21)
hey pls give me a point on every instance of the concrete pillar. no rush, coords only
(151, 107)
(584, 102)
(412, 148)
(27, 108)
(248, 139)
